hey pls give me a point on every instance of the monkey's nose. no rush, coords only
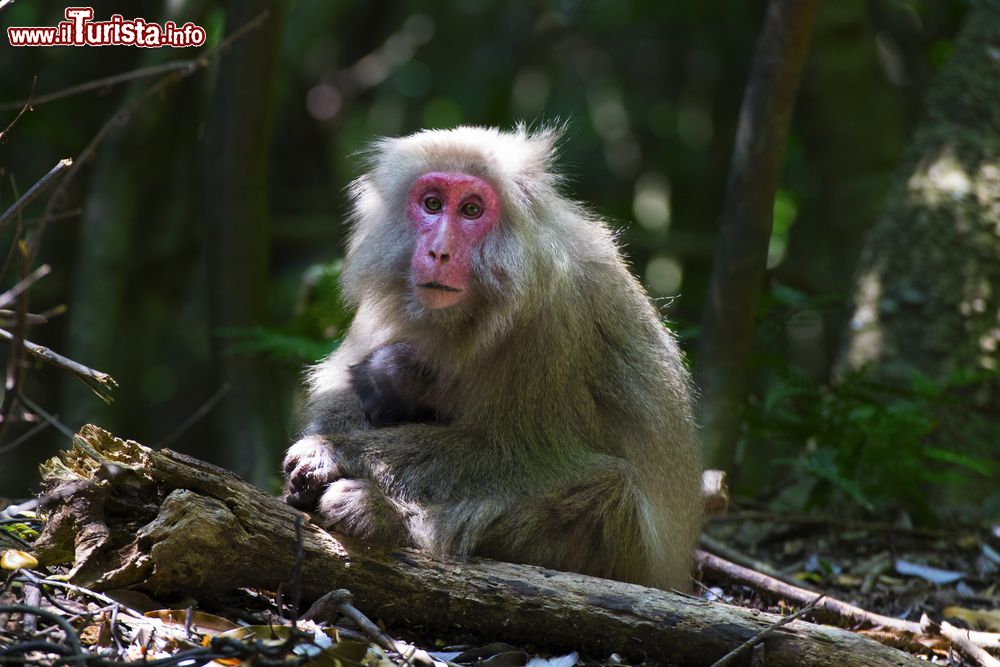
(439, 257)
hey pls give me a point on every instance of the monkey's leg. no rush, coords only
(595, 525)
(358, 508)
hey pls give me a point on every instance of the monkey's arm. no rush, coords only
(312, 462)
(333, 408)
(351, 479)
(337, 411)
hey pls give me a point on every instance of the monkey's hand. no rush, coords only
(359, 509)
(310, 464)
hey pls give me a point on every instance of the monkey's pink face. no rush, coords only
(452, 214)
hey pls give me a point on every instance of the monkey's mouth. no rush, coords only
(439, 286)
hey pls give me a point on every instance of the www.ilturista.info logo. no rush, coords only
(79, 29)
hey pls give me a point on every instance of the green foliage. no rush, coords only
(21, 531)
(314, 331)
(868, 444)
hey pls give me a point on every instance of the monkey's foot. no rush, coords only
(358, 508)
(310, 464)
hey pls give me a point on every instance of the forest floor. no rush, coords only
(950, 575)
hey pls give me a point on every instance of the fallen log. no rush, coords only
(127, 516)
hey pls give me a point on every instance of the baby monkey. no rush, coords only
(395, 387)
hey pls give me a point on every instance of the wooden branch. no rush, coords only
(100, 383)
(829, 608)
(38, 188)
(961, 639)
(25, 108)
(128, 516)
(20, 288)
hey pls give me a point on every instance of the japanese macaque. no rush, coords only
(506, 389)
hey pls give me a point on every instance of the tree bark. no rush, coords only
(745, 230)
(927, 290)
(127, 516)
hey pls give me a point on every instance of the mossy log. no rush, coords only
(126, 516)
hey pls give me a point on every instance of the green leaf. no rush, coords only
(981, 466)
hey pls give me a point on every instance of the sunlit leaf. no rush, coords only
(201, 622)
(14, 559)
(980, 619)
(927, 573)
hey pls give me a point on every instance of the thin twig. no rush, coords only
(24, 110)
(65, 215)
(35, 190)
(100, 383)
(760, 636)
(15, 362)
(24, 437)
(52, 419)
(339, 601)
(831, 607)
(15, 246)
(185, 67)
(20, 541)
(27, 578)
(719, 548)
(122, 116)
(71, 636)
(29, 280)
(8, 317)
(100, 597)
(106, 82)
(195, 416)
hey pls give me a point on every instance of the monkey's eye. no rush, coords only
(433, 204)
(472, 210)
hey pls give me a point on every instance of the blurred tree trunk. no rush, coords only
(745, 229)
(235, 213)
(843, 89)
(927, 290)
(118, 199)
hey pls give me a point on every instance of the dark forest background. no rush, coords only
(201, 272)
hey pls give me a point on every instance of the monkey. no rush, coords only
(568, 440)
(394, 387)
